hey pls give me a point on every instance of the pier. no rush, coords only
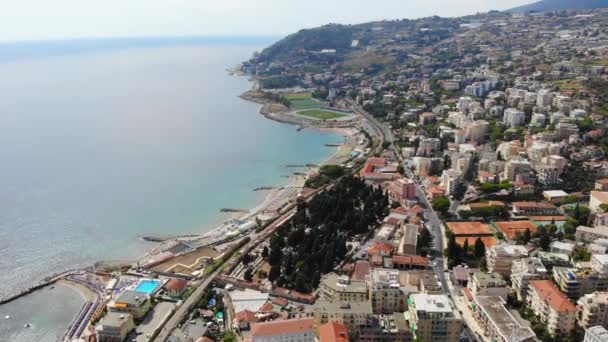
(234, 210)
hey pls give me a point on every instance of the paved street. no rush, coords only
(430, 216)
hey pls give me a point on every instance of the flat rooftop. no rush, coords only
(431, 303)
(343, 284)
(508, 327)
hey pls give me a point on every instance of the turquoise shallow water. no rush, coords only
(100, 146)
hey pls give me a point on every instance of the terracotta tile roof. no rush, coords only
(246, 316)
(380, 246)
(469, 228)
(416, 260)
(486, 204)
(399, 210)
(361, 271)
(553, 296)
(467, 294)
(284, 327)
(488, 241)
(602, 181)
(333, 332)
(176, 285)
(268, 307)
(511, 228)
(279, 301)
(601, 196)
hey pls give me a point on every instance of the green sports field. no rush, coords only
(321, 114)
(301, 101)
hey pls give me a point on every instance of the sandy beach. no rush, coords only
(86, 293)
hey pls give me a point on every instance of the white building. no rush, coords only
(434, 318)
(513, 117)
(522, 272)
(599, 263)
(450, 180)
(596, 334)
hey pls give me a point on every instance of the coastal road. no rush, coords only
(185, 308)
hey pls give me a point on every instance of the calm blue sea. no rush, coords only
(104, 141)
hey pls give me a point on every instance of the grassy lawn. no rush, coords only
(321, 114)
(569, 85)
(302, 101)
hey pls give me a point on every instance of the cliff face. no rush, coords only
(559, 5)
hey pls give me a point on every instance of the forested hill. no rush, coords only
(330, 36)
(381, 43)
(559, 5)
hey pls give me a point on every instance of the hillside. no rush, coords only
(558, 5)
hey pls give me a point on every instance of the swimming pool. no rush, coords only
(148, 286)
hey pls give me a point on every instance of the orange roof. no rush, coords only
(246, 316)
(487, 204)
(511, 228)
(602, 181)
(268, 307)
(552, 296)
(399, 210)
(333, 332)
(279, 301)
(380, 246)
(488, 241)
(176, 284)
(278, 328)
(409, 260)
(361, 270)
(601, 196)
(467, 294)
(435, 189)
(469, 228)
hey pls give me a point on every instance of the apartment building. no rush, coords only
(590, 234)
(596, 334)
(353, 315)
(522, 272)
(433, 318)
(500, 258)
(497, 322)
(385, 291)
(578, 281)
(488, 284)
(593, 309)
(341, 288)
(552, 306)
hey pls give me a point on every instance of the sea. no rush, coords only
(105, 140)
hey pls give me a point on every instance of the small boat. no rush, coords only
(7, 317)
(27, 325)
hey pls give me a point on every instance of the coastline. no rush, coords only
(266, 198)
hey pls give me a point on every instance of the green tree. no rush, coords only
(425, 241)
(248, 274)
(581, 254)
(480, 248)
(441, 204)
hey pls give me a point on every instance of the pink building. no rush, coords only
(402, 190)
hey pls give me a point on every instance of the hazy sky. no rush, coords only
(57, 19)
